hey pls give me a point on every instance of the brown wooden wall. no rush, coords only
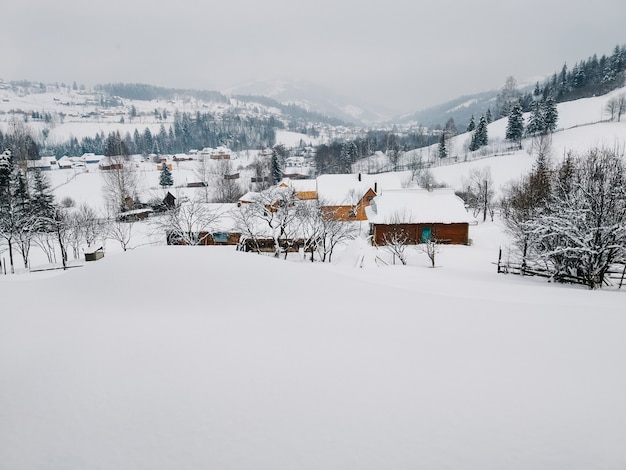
(455, 234)
(207, 239)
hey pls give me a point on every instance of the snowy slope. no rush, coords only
(178, 357)
(197, 357)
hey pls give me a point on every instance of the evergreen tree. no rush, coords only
(148, 141)
(165, 179)
(535, 121)
(550, 115)
(479, 138)
(42, 201)
(450, 127)
(488, 116)
(443, 151)
(276, 170)
(471, 125)
(515, 125)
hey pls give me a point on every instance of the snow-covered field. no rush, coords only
(203, 357)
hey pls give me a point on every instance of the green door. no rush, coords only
(425, 234)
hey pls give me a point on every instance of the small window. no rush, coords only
(220, 237)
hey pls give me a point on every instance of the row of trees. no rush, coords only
(338, 156)
(30, 216)
(186, 132)
(542, 120)
(592, 77)
(570, 220)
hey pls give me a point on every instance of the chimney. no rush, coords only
(376, 187)
(359, 176)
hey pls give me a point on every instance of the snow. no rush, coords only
(204, 357)
(414, 206)
(170, 357)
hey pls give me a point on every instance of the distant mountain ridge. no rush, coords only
(313, 97)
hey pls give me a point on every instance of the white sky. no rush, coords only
(402, 54)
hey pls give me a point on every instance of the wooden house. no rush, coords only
(305, 189)
(345, 197)
(64, 162)
(111, 163)
(419, 215)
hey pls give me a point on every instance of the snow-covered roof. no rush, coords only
(300, 185)
(349, 189)
(413, 206)
(250, 196)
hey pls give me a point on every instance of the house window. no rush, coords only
(352, 213)
(220, 237)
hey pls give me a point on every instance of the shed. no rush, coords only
(419, 215)
(169, 200)
(94, 255)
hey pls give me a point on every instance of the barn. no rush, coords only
(419, 215)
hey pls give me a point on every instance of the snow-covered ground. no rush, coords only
(196, 357)
(204, 357)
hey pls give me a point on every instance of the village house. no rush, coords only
(419, 215)
(111, 163)
(345, 197)
(42, 164)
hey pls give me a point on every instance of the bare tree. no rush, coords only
(332, 231)
(431, 247)
(396, 243)
(91, 223)
(120, 232)
(616, 106)
(275, 215)
(581, 232)
(120, 185)
(621, 105)
(189, 223)
(203, 173)
(226, 182)
(611, 107)
(479, 194)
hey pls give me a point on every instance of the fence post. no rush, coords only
(622, 279)
(499, 258)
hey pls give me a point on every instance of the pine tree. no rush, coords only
(480, 138)
(550, 115)
(276, 170)
(42, 202)
(471, 125)
(165, 178)
(488, 116)
(443, 151)
(515, 125)
(535, 121)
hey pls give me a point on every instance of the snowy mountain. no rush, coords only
(315, 98)
(460, 109)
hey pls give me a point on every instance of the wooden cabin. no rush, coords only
(419, 215)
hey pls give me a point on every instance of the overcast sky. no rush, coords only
(403, 54)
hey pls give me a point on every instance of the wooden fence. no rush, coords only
(616, 275)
